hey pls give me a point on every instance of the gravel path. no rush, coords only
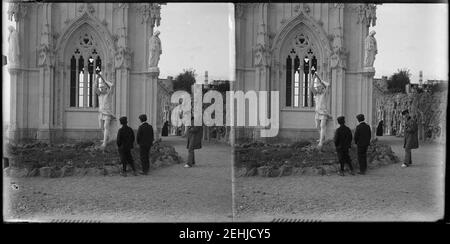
(389, 193)
(171, 194)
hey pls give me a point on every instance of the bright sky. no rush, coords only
(413, 36)
(198, 36)
(201, 35)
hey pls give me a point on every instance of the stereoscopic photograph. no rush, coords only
(143, 112)
(88, 132)
(357, 111)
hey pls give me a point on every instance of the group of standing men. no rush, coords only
(145, 138)
(343, 142)
(125, 141)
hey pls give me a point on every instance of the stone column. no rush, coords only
(262, 62)
(150, 98)
(122, 63)
(240, 9)
(17, 12)
(338, 64)
(46, 65)
(367, 100)
(17, 105)
(150, 13)
(338, 92)
(46, 86)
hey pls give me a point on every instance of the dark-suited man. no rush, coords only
(362, 139)
(343, 141)
(194, 142)
(411, 140)
(125, 141)
(144, 139)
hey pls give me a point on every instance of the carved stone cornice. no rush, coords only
(86, 7)
(302, 8)
(118, 6)
(150, 13)
(15, 70)
(17, 11)
(338, 5)
(239, 9)
(367, 14)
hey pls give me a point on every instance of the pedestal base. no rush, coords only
(153, 70)
(113, 129)
(369, 70)
(329, 132)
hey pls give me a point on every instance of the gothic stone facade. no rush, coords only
(61, 46)
(277, 45)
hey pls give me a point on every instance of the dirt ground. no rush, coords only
(170, 194)
(205, 193)
(389, 193)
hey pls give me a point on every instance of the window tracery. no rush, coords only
(85, 63)
(301, 63)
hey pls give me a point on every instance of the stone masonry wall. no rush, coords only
(427, 108)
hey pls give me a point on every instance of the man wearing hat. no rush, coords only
(362, 139)
(411, 140)
(125, 141)
(194, 142)
(144, 139)
(343, 141)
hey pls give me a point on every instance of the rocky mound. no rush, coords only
(83, 158)
(272, 160)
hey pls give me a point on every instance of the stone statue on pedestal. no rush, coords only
(105, 92)
(320, 89)
(155, 50)
(370, 49)
(13, 51)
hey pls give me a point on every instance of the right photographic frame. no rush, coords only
(339, 112)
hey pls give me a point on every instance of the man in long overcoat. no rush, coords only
(194, 142)
(125, 141)
(145, 140)
(343, 141)
(362, 138)
(411, 140)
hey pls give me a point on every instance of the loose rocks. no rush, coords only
(45, 172)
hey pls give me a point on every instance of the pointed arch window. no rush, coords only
(301, 63)
(84, 63)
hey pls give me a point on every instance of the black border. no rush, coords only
(297, 232)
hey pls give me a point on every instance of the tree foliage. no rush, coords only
(184, 80)
(398, 81)
(221, 85)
